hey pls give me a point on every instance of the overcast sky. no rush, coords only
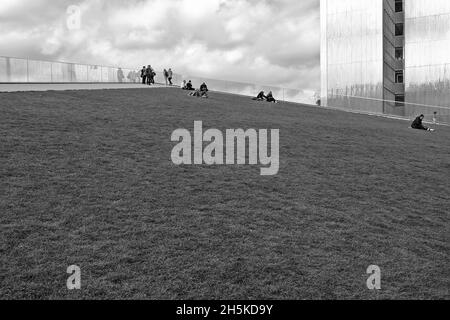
(273, 42)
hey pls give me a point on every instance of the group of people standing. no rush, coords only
(148, 75)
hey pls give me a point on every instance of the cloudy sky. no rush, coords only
(273, 42)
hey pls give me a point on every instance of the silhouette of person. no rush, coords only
(120, 75)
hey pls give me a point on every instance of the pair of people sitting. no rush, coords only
(262, 97)
(202, 92)
(418, 124)
(187, 85)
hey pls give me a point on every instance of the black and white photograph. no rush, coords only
(227, 157)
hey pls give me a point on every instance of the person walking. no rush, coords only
(166, 76)
(170, 72)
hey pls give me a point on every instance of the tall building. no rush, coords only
(386, 56)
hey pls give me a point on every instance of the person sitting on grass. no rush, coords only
(183, 85)
(201, 93)
(189, 86)
(204, 90)
(270, 97)
(418, 124)
(260, 97)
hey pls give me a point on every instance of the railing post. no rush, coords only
(28, 71)
(8, 69)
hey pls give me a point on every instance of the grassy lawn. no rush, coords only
(86, 179)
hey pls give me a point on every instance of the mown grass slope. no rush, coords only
(86, 179)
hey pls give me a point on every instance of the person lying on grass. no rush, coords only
(418, 124)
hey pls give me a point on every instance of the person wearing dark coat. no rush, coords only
(200, 93)
(150, 75)
(260, 97)
(418, 124)
(144, 75)
(170, 74)
(204, 90)
(189, 86)
(270, 97)
(204, 87)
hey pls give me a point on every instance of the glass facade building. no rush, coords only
(386, 56)
(352, 54)
(427, 51)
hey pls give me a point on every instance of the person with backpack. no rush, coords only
(150, 75)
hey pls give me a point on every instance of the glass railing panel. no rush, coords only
(298, 96)
(62, 72)
(80, 73)
(131, 76)
(404, 110)
(4, 73)
(17, 70)
(94, 73)
(39, 71)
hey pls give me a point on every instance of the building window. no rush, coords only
(399, 53)
(399, 29)
(399, 76)
(399, 100)
(398, 5)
